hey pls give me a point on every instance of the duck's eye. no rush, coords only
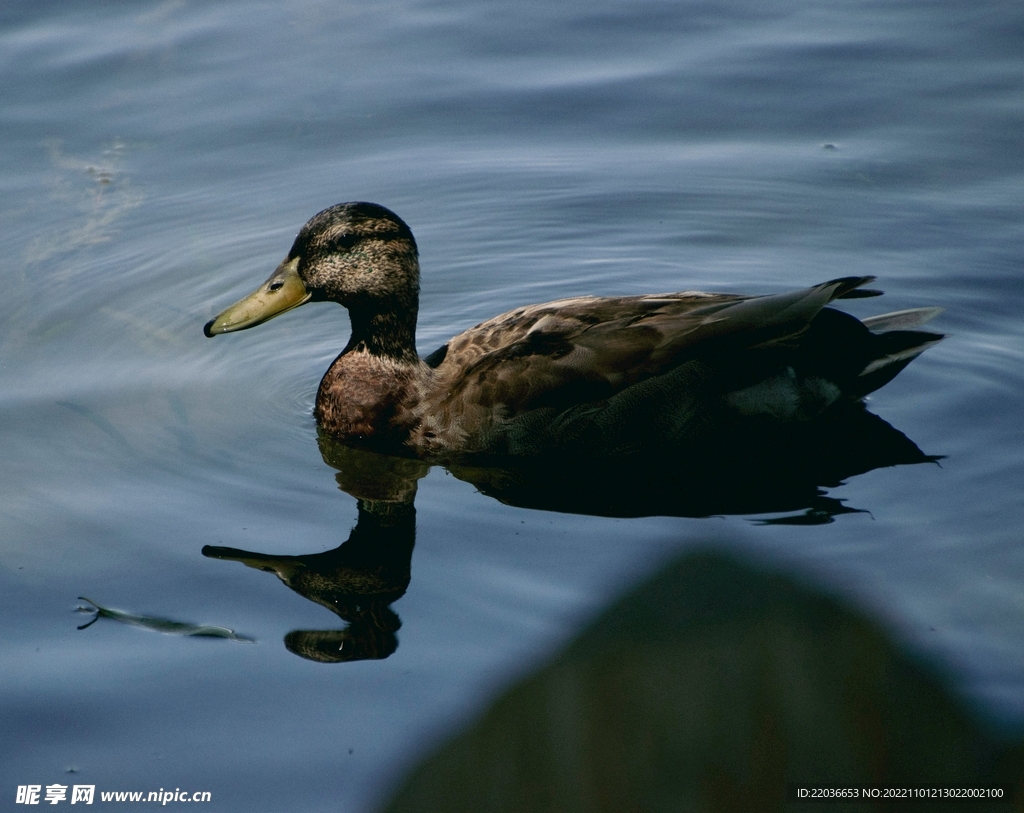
(342, 242)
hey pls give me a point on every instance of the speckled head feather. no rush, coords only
(354, 252)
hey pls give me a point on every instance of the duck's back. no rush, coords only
(605, 374)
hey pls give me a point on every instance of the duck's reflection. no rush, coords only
(754, 472)
(357, 581)
(748, 468)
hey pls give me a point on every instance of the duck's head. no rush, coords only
(360, 255)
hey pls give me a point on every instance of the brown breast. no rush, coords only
(368, 400)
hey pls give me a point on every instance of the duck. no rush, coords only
(592, 376)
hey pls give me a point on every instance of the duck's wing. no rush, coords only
(564, 318)
(575, 350)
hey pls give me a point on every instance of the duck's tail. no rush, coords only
(901, 320)
(862, 355)
(897, 343)
(849, 287)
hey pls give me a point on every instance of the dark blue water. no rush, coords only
(158, 160)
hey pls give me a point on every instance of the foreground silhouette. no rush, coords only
(713, 687)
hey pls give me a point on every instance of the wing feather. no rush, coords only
(587, 348)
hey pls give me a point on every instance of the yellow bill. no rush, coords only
(282, 292)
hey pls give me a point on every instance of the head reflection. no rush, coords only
(362, 577)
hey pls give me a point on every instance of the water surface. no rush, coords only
(160, 157)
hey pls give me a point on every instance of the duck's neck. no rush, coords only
(388, 333)
(369, 394)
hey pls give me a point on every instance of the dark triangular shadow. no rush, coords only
(720, 686)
